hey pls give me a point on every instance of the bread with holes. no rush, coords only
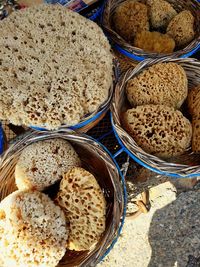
(33, 230)
(162, 83)
(56, 67)
(129, 18)
(181, 28)
(161, 13)
(43, 163)
(158, 129)
(193, 102)
(85, 207)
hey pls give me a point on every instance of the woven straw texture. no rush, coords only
(185, 165)
(98, 161)
(179, 5)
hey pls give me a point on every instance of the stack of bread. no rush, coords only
(155, 120)
(154, 25)
(36, 230)
(56, 67)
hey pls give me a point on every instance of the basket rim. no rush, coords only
(145, 159)
(137, 53)
(29, 137)
(1, 139)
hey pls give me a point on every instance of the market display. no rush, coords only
(153, 25)
(64, 197)
(59, 63)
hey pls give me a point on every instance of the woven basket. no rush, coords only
(138, 54)
(98, 161)
(186, 165)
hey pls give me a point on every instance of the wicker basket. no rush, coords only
(138, 54)
(97, 160)
(186, 165)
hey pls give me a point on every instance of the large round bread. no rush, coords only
(56, 67)
(43, 163)
(158, 129)
(162, 83)
(84, 204)
(33, 230)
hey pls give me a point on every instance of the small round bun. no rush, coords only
(162, 83)
(43, 163)
(161, 12)
(33, 230)
(84, 204)
(181, 28)
(158, 129)
(129, 18)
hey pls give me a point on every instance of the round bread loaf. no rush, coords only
(161, 12)
(162, 83)
(194, 102)
(84, 204)
(130, 17)
(56, 67)
(33, 230)
(43, 163)
(158, 129)
(181, 28)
